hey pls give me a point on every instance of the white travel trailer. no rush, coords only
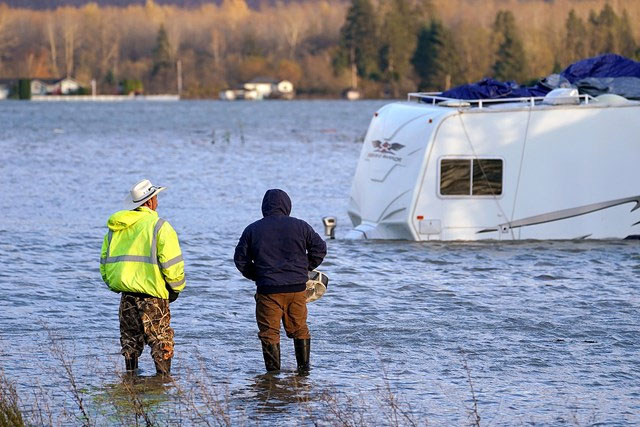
(565, 166)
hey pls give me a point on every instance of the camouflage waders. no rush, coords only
(145, 320)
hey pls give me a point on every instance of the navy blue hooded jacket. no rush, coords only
(278, 251)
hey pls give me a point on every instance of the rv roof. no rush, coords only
(436, 98)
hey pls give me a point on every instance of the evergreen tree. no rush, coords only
(575, 42)
(425, 57)
(601, 30)
(436, 60)
(162, 58)
(626, 42)
(399, 38)
(358, 41)
(607, 22)
(592, 29)
(250, 46)
(611, 33)
(511, 63)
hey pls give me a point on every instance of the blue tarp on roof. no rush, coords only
(604, 68)
(608, 65)
(494, 89)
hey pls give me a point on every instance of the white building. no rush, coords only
(67, 86)
(5, 87)
(284, 87)
(42, 86)
(238, 94)
(63, 86)
(262, 86)
(267, 87)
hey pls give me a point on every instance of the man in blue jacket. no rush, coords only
(277, 252)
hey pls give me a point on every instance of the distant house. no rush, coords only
(237, 94)
(262, 85)
(67, 86)
(271, 88)
(42, 86)
(284, 88)
(6, 87)
(64, 86)
(227, 95)
(260, 88)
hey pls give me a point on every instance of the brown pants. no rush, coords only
(290, 307)
(145, 321)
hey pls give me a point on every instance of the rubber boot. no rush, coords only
(303, 351)
(271, 354)
(131, 364)
(163, 367)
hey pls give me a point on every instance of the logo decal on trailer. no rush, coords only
(386, 146)
(386, 150)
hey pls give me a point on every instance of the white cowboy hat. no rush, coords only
(140, 193)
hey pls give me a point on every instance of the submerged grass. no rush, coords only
(473, 412)
(10, 413)
(66, 363)
(154, 401)
(199, 399)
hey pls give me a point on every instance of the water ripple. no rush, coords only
(550, 329)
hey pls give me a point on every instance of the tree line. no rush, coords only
(382, 47)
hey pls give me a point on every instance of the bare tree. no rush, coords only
(7, 40)
(53, 47)
(69, 34)
(293, 27)
(217, 46)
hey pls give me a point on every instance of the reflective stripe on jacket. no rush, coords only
(141, 253)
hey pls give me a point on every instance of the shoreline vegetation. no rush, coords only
(195, 397)
(198, 399)
(385, 48)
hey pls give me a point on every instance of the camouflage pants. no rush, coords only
(145, 321)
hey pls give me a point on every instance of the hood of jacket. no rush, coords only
(124, 219)
(276, 202)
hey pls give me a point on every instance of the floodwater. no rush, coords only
(544, 332)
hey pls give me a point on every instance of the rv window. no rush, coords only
(487, 177)
(455, 177)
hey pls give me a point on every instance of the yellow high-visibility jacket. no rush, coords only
(141, 253)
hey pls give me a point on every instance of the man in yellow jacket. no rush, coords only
(142, 260)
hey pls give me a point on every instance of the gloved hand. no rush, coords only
(173, 295)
